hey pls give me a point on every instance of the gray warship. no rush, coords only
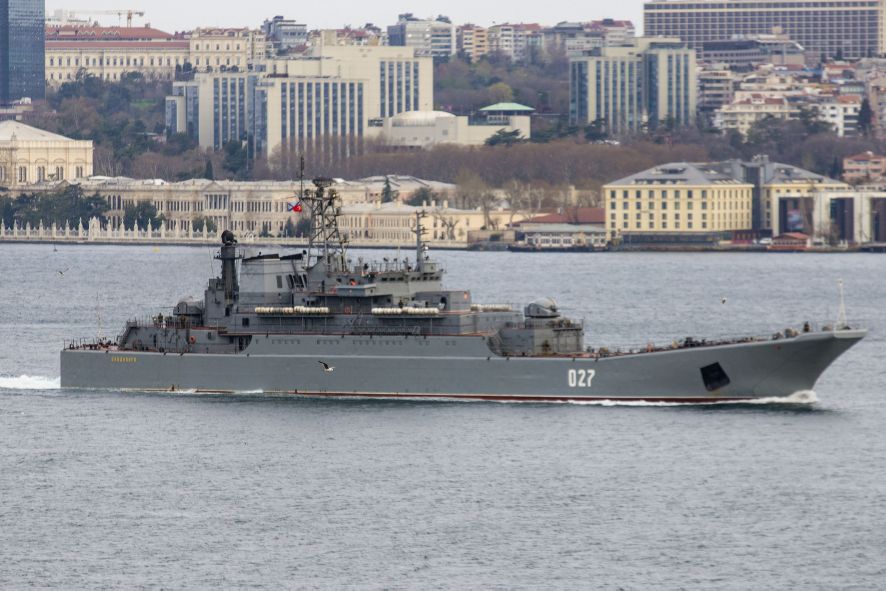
(318, 324)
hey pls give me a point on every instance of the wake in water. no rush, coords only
(29, 383)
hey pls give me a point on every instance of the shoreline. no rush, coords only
(874, 248)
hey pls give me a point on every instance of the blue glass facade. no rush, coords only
(22, 71)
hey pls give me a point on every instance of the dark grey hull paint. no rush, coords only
(428, 367)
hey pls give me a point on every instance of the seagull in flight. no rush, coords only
(62, 273)
(722, 300)
(326, 367)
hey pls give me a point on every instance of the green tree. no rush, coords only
(303, 228)
(208, 173)
(865, 118)
(500, 93)
(235, 159)
(388, 194)
(811, 122)
(421, 196)
(289, 230)
(141, 214)
(198, 222)
(503, 137)
(596, 131)
(836, 169)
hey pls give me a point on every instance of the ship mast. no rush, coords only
(325, 242)
(419, 231)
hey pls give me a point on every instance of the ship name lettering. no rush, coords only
(119, 359)
(581, 378)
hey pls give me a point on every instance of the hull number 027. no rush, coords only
(581, 378)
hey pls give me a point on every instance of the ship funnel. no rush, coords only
(228, 258)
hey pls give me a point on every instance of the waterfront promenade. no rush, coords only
(95, 233)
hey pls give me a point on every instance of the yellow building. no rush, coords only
(29, 155)
(110, 52)
(677, 199)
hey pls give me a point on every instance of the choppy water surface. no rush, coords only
(104, 489)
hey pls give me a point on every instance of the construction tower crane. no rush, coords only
(129, 13)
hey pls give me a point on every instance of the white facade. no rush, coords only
(29, 156)
(332, 92)
(424, 129)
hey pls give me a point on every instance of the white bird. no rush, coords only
(722, 300)
(326, 367)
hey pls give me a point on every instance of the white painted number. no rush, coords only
(581, 378)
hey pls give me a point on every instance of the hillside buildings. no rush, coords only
(29, 156)
(784, 94)
(284, 35)
(472, 42)
(746, 53)
(650, 82)
(866, 167)
(21, 50)
(517, 42)
(428, 37)
(849, 29)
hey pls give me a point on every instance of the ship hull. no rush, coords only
(428, 368)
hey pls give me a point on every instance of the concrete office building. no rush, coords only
(327, 99)
(851, 28)
(650, 82)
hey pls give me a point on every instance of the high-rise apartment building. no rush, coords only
(21, 50)
(473, 41)
(519, 42)
(648, 83)
(849, 28)
(433, 37)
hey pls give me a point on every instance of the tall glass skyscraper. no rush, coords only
(21, 50)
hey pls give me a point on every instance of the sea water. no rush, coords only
(181, 490)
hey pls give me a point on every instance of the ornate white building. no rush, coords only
(29, 155)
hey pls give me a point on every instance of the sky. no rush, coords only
(178, 15)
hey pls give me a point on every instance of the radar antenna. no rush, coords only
(325, 242)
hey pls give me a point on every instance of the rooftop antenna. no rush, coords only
(841, 315)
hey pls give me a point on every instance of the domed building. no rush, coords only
(29, 155)
(423, 129)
